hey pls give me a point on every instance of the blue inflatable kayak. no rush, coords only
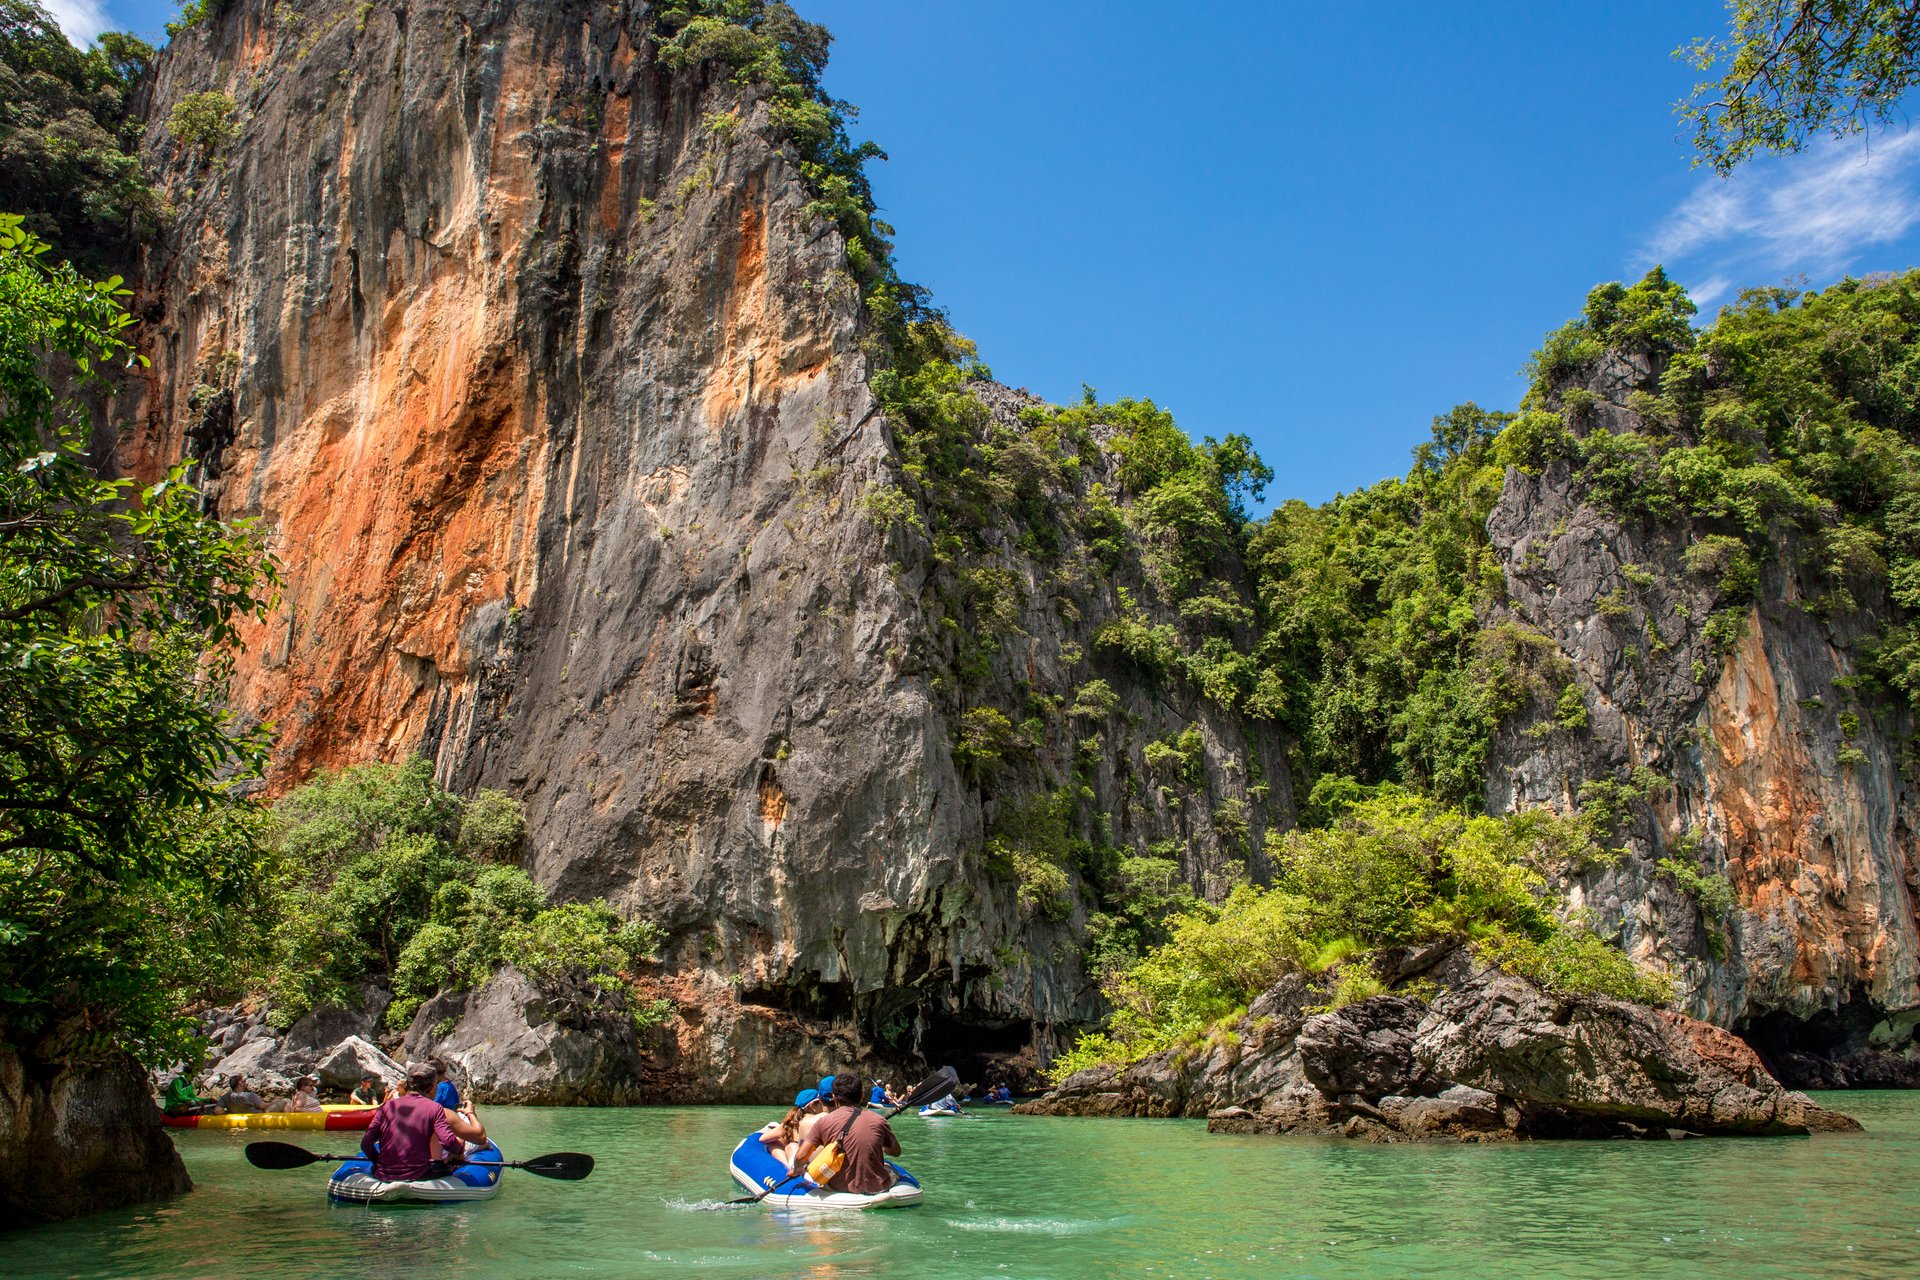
(479, 1179)
(756, 1169)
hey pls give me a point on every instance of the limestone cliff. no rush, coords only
(554, 396)
(1774, 771)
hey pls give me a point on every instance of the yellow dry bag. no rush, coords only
(827, 1160)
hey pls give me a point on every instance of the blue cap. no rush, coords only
(805, 1096)
(826, 1085)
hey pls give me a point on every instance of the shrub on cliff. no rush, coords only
(389, 877)
(131, 876)
(68, 145)
(1394, 870)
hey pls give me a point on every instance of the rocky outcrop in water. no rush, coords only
(79, 1139)
(1490, 1057)
(1771, 771)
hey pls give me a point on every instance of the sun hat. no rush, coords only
(806, 1096)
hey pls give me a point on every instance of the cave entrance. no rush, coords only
(983, 1052)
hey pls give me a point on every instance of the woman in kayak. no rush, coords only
(413, 1137)
(783, 1136)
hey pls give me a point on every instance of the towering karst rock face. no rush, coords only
(556, 398)
(553, 397)
(1772, 768)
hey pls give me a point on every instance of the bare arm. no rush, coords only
(465, 1125)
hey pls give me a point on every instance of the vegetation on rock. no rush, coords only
(385, 876)
(68, 144)
(1394, 870)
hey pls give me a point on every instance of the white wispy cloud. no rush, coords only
(1816, 213)
(82, 20)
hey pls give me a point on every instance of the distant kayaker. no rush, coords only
(881, 1096)
(180, 1099)
(239, 1098)
(444, 1092)
(865, 1141)
(413, 1137)
(367, 1092)
(999, 1093)
(306, 1095)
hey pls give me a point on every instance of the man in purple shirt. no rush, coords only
(412, 1136)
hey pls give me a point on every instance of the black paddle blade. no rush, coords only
(938, 1085)
(567, 1166)
(281, 1155)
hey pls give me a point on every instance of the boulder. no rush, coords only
(80, 1139)
(512, 1042)
(353, 1057)
(1490, 1057)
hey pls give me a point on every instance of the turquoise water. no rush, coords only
(1028, 1198)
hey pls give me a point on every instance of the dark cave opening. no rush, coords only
(984, 1052)
(1833, 1049)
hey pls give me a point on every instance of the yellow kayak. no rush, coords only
(328, 1117)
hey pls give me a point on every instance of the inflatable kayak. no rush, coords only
(942, 1113)
(754, 1168)
(325, 1118)
(353, 1182)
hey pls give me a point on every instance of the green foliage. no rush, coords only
(203, 122)
(1373, 652)
(1395, 869)
(130, 872)
(986, 738)
(1791, 69)
(195, 12)
(69, 145)
(390, 876)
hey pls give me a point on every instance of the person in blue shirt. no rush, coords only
(878, 1097)
(444, 1093)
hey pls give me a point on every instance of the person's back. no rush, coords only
(865, 1142)
(239, 1098)
(406, 1136)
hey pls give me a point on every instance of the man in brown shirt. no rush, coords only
(865, 1140)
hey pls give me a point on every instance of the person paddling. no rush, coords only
(865, 1141)
(413, 1137)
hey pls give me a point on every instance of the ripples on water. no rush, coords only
(1013, 1198)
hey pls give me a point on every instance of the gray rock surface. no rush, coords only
(343, 1066)
(1490, 1058)
(510, 1042)
(1776, 775)
(81, 1139)
(556, 403)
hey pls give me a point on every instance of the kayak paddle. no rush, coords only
(941, 1082)
(566, 1166)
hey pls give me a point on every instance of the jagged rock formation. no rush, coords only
(80, 1139)
(1490, 1057)
(553, 398)
(1807, 810)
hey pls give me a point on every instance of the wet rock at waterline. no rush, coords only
(79, 1139)
(1489, 1057)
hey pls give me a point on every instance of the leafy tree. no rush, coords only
(392, 878)
(128, 866)
(68, 143)
(1790, 69)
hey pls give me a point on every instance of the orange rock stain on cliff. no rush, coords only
(1790, 856)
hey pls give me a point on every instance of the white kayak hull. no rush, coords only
(354, 1183)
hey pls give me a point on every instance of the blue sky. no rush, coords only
(1318, 225)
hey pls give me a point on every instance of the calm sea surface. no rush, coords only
(1011, 1197)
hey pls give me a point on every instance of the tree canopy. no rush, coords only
(1789, 70)
(127, 859)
